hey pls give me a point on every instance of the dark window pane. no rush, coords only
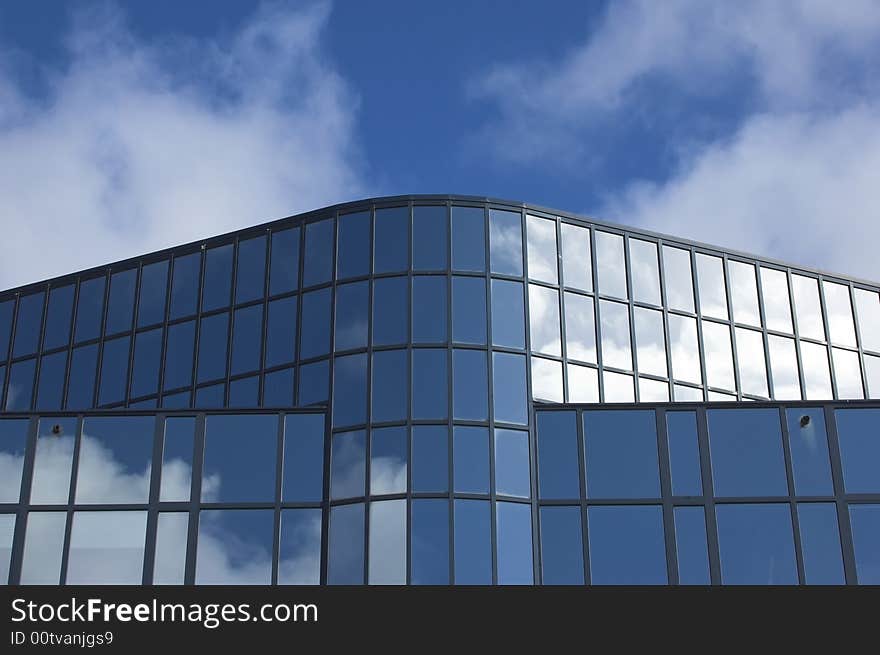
(281, 332)
(512, 463)
(250, 271)
(315, 338)
(430, 227)
(81, 387)
(430, 385)
(314, 383)
(558, 475)
(621, 454)
(176, 400)
(115, 457)
(468, 239)
(352, 316)
(247, 335)
(218, 278)
(345, 559)
(350, 390)
(213, 339)
(348, 455)
(387, 553)
(27, 324)
(240, 455)
(626, 545)
(318, 253)
(508, 322)
(390, 385)
(820, 543)
(149, 403)
(690, 546)
(151, 300)
(284, 270)
(505, 242)
(177, 459)
(21, 385)
(147, 353)
(756, 544)
(57, 320)
(390, 311)
(430, 458)
(89, 309)
(235, 547)
(509, 388)
(865, 522)
(185, 285)
(97, 561)
(429, 309)
(245, 392)
(13, 439)
(211, 397)
(2, 379)
(430, 542)
(53, 460)
(473, 543)
(746, 450)
(514, 526)
(114, 371)
(809, 452)
(6, 310)
(469, 310)
(179, 355)
(391, 240)
(51, 387)
(471, 459)
(278, 388)
(858, 432)
(562, 547)
(120, 306)
(388, 457)
(303, 457)
(299, 557)
(684, 453)
(353, 247)
(470, 396)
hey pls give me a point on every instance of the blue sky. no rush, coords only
(126, 127)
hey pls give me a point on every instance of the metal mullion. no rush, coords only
(701, 347)
(132, 331)
(279, 476)
(493, 531)
(708, 496)
(197, 339)
(827, 327)
(261, 368)
(667, 340)
(450, 476)
(230, 324)
(666, 497)
(408, 502)
(792, 493)
(21, 513)
(843, 519)
(368, 433)
(597, 322)
(153, 509)
(71, 498)
(582, 481)
(797, 338)
(634, 358)
(763, 318)
(195, 498)
(737, 382)
(866, 392)
(169, 278)
(38, 356)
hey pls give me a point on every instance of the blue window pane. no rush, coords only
(218, 278)
(120, 305)
(2, 379)
(621, 454)
(147, 354)
(235, 547)
(391, 240)
(352, 316)
(865, 524)
(314, 383)
(13, 440)
(240, 455)
(626, 545)
(245, 392)
(177, 459)
(278, 388)
(505, 242)
(469, 310)
(756, 544)
(149, 403)
(353, 247)
(89, 309)
(345, 559)
(430, 385)
(299, 557)
(315, 337)
(6, 310)
(470, 387)
(558, 475)
(81, 387)
(809, 452)
(51, 387)
(429, 541)
(115, 457)
(387, 553)
(57, 320)
(27, 324)
(179, 355)
(247, 335)
(691, 547)
(858, 431)
(746, 450)
(509, 388)
(430, 228)
(114, 371)
(284, 268)
(390, 385)
(514, 528)
(185, 285)
(348, 455)
(820, 543)
(176, 400)
(21, 385)
(318, 253)
(388, 457)
(390, 311)
(151, 299)
(350, 390)
(470, 450)
(684, 453)
(430, 458)
(281, 332)
(562, 546)
(512, 463)
(429, 309)
(211, 397)
(473, 543)
(508, 317)
(468, 239)
(213, 339)
(250, 270)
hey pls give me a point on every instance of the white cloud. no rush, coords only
(143, 145)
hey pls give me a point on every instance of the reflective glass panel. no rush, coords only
(645, 271)
(562, 547)
(303, 478)
(350, 390)
(235, 547)
(690, 546)
(213, 332)
(147, 355)
(114, 371)
(387, 561)
(281, 332)
(543, 257)
(471, 459)
(621, 454)
(618, 387)
(352, 316)
(177, 459)
(390, 391)
(347, 465)
(247, 337)
(684, 454)
(718, 355)
(299, 556)
(179, 355)
(872, 375)
(807, 308)
(53, 460)
(865, 523)
(783, 366)
(546, 380)
(81, 387)
(20, 393)
(216, 292)
(430, 542)
(626, 545)
(683, 348)
(839, 311)
(583, 384)
(616, 349)
(7, 532)
(505, 242)
(89, 309)
(817, 376)
(169, 564)
(7, 309)
(430, 384)
(388, 460)
(580, 328)
(690, 394)
(50, 390)
(184, 285)
(746, 451)
(756, 544)
(858, 432)
(678, 279)
(512, 469)
(120, 306)
(508, 324)
(232, 471)
(211, 397)
(278, 388)
(847, 373)
(58, 318)
(430, 458)
(868, 309)
(318, 253)
(315, 329)
(176, 400)
(544, 320)
(777, 304)
(576, 257)
(509, 388)
(391, 240)
(107, 548)
(13, 438)
(820, 543)
(353, 246)
(27, 324)
(653, 391)
(151, 298)
(469, 310)
(473, 542)
(470, 388)
(744, 293)
(390, 310)
(713, 299)
(610, 265)
(284, 267)
(650, 344)
(429, 309)
(250, 270)
(43, 546)
(558, 475)
(468, 239)
(752, 365)
(430, 229)
(514, 533)
(345, 559)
